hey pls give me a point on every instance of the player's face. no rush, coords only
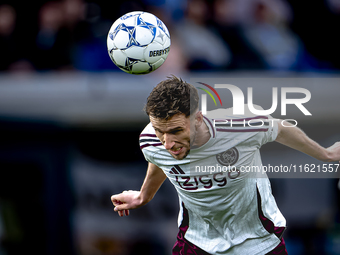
(174, 134)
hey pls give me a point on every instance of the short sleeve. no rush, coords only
(148, 142)
(147, 155)
(272, 132)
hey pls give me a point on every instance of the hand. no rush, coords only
(125, 201)
(334, 152)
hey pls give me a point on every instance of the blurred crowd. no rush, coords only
(207, 35)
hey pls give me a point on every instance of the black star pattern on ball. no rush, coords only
(129, 62)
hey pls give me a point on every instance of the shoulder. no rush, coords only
(148, 138)
(243, 125)
(152, 148)
(224, 120)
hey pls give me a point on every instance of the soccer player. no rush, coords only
(221, 212)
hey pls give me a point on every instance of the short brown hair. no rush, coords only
(170, 97)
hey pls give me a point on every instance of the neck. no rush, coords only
(202, 136)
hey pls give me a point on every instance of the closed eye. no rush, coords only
(176, 131)
(173, 131)
(158, 131)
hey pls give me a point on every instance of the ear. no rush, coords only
(198, 119)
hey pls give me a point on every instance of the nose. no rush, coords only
(168, 141)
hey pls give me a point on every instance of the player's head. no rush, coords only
(173, 110)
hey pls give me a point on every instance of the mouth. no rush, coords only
(176, 151)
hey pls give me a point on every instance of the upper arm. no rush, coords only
(153, 181)
(156, 171)
(279, 130)
(283, 132)
(155, 176)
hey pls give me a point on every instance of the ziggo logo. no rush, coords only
(238, 99)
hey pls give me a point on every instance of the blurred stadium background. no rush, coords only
(70, 120)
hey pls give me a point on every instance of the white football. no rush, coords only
(138, 42)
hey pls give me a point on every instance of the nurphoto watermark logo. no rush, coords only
(244, 112)
(239, 105)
